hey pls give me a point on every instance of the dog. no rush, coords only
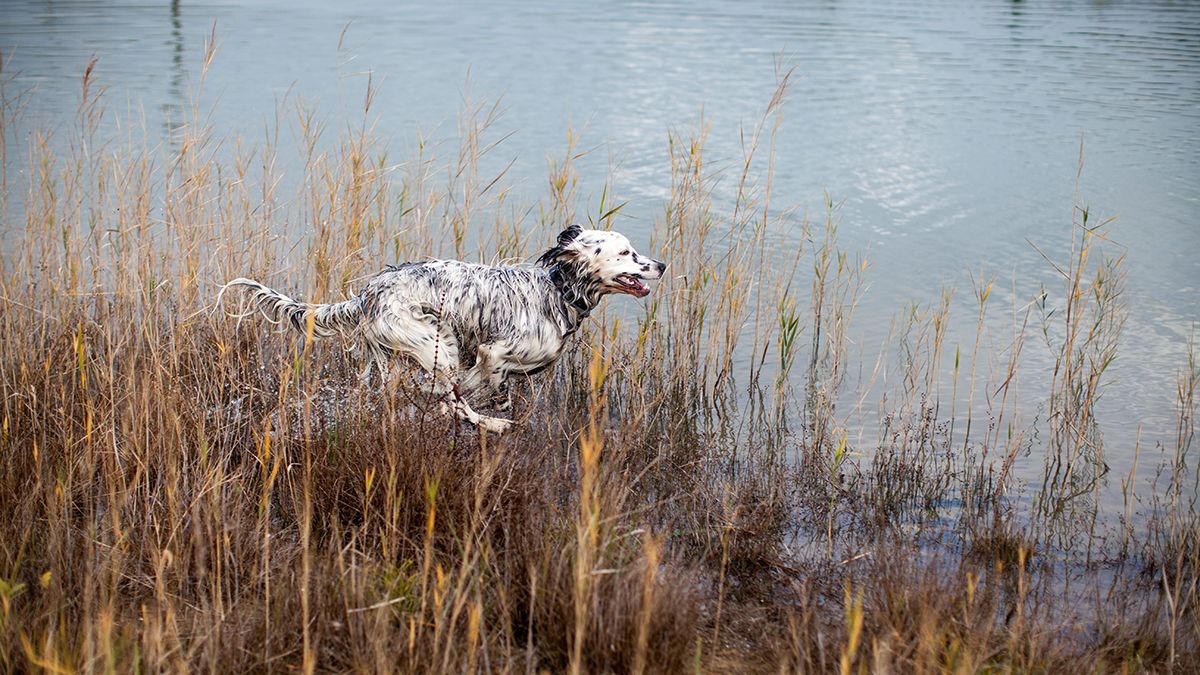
(469, 326)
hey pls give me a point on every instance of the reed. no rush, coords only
(183, 488)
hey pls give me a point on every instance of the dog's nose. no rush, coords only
(662, 266)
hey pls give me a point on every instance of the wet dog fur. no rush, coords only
(471, 326)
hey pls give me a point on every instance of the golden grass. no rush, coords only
(184, 490)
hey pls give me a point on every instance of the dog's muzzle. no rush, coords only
(633, 283)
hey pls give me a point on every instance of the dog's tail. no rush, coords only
(328, 320)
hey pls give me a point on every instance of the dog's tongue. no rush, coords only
(634, 285)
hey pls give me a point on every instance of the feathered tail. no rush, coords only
(328, 320)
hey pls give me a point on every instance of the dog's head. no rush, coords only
(603, 258)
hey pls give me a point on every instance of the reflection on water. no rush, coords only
(951, 130)
(173, 106)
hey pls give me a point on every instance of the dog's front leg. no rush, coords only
(449, 388)
(502, 396)
(464, 411)
(489, 375)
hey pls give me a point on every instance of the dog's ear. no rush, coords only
(568, 235)
(559, 250)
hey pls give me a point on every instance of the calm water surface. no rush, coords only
(950, 129)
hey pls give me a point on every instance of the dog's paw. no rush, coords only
(494, 425)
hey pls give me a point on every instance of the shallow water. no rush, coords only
(951, 132)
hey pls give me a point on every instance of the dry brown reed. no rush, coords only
(183, 489)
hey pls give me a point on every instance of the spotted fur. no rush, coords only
(472, 326)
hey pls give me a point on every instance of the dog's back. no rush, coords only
(477, 302)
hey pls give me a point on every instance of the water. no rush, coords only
(951, 132)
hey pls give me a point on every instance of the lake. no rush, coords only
(951, 131)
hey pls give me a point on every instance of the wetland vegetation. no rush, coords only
(186, 489)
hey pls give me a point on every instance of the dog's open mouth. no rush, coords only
(632, 285)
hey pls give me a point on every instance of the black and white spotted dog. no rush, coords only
(471, 326)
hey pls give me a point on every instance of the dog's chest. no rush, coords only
(538, 350)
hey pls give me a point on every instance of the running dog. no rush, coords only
(471, 326)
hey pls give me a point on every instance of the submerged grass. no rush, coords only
(183, 489)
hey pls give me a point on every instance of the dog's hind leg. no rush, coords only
(376, 358)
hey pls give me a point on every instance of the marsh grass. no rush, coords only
(183, 488)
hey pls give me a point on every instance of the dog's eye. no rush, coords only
(625, 252)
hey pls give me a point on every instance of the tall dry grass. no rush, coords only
(185, 489)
